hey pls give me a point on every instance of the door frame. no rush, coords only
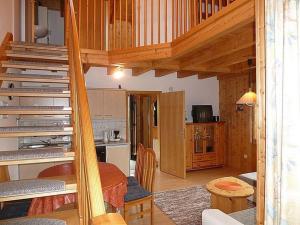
(145, 93)
(260, 108)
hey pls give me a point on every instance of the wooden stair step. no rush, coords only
(29, 55)
(28, 131)
(35, 92)
(35, 65)
(32, 156)
(35, 221)
(35, 110)
(70, 217)
(34, 188)
(36, 46)
(34, 78)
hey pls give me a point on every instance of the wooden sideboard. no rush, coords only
(205, 145)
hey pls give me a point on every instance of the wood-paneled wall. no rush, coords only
(240, 143)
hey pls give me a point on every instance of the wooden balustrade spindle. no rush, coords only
(173, 26)
(228, 2)
(206, 9)
(151, 22)
(166, 21)
(189, 15)
(184, 16)
(102, 26)
(213, 7)
(195, 12)
(120, 24)
(139, 23)
(114, 37)
(126, 24)
(176, 18)
(200, 11)
(145, 22)
(220, 5)
(109, 44)
(133, 23)
(158, 23)
(180, 17)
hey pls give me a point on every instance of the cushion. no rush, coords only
(135, 192)
(250, 178)
(217, 217)
(15, 209)
(131, 181)
(246, 217)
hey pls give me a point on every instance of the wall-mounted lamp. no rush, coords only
(249, 98)
(118, 73)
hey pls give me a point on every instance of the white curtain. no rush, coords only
(283, 112)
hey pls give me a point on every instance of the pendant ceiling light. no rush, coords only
(248, 98)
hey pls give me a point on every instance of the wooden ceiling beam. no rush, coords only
(204, 76)
(163, 72)
(139, 71)
(185, 73)
(110, 70)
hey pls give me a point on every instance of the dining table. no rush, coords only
(113, 182)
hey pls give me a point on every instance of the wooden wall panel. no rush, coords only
(240, 145)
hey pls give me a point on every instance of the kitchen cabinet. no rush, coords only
(120, 157)
(107, 103)
(205, 145)
(95, 97)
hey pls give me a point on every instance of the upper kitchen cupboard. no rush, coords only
(107, 103)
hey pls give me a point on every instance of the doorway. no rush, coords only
(45, 21)
(143, 121)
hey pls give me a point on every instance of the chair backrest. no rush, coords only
(4, 174)
(139, 161)
(148, 169)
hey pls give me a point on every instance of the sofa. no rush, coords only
(217, 217)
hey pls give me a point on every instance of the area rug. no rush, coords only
(184, 206)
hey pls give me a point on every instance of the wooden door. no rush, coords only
(172, 129)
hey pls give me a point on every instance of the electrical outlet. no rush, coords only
(245, 156)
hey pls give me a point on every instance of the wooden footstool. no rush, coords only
(229, 194)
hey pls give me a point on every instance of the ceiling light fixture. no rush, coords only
(118, 73)
(249, 98)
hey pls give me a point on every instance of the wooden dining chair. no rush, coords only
(136, 180)
(141, 194)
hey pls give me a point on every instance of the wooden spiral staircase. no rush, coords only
(21, 57)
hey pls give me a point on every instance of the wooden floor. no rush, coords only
(165, 182)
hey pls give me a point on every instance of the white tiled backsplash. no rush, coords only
(101, 125)
(46, 121)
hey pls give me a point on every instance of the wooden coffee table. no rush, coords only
(229, 194)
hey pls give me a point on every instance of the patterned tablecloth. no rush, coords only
(113, 181)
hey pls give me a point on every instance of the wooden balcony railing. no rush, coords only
(121, 24)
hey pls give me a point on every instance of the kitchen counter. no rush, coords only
(110, 143)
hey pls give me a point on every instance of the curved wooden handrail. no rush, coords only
(84, 144)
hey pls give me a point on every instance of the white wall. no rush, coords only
(196, 91)
(10, 18)
(9, 22)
